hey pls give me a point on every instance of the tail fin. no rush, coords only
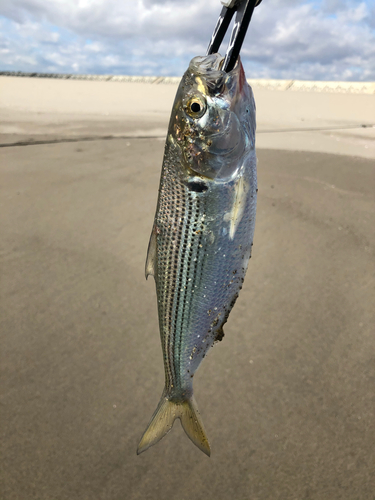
(164, 417)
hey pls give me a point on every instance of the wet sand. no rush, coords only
(287, 397)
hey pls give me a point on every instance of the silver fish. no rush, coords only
(203, 230)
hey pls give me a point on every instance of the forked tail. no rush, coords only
(164, 417)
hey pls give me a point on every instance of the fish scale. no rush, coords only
(184, 256)
(203, 230)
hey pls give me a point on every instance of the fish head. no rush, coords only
(213, 119)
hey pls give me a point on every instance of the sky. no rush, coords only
(287, 39)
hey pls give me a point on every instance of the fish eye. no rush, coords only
(195, 107)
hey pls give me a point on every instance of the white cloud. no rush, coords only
(306, 39)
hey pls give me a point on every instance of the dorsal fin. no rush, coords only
(151, 255)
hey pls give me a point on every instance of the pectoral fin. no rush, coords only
(239, 201)
(151, 255)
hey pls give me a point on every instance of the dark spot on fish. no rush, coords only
(197, 187)
(219, 335)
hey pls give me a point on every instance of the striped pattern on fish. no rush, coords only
(203, 230)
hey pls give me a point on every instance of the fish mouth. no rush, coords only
(208, 71)
(207, 65)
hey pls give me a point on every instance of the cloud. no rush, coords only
(304, 39)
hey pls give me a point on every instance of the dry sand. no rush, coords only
(39, 109)
(287, 398)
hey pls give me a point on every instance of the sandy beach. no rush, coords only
(287, 397)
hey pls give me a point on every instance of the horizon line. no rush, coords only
(357, 87)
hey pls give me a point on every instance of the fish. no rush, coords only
(203, 230)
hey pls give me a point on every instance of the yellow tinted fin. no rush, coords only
(151, 255)
(193, 426)
(164, 417)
